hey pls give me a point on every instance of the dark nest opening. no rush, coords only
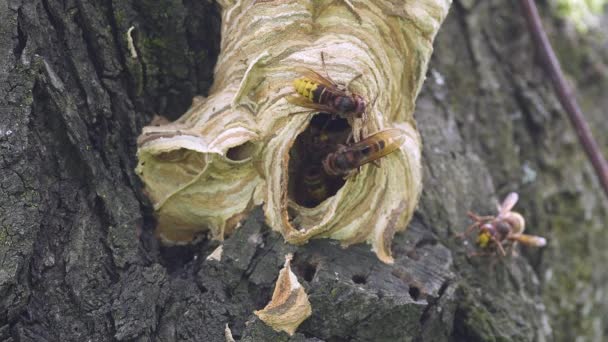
(309, 184)
(241, 152)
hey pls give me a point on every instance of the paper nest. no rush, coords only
(231, 151)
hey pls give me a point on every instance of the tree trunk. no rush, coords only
(78, 261)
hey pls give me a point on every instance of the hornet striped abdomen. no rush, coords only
(348, 158)
(308, 89)
(318, 93)
(314, 181)
(506, 228)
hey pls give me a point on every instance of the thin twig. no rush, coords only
(130, 42)
(564, 92)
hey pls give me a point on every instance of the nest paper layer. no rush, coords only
(231, 150)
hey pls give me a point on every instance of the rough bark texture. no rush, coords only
(77, 261)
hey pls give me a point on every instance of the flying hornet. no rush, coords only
(507, 227)
(346, 159)
(324, 95)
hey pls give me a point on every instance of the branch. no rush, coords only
(564, 93)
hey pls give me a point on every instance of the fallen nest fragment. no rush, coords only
(289, 306)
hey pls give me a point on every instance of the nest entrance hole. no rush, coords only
(309, 184)
(241, 152)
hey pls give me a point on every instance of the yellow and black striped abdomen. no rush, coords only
(308, 89)
(316, 185)
(374, 147)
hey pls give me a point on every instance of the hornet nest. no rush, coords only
(245, 144)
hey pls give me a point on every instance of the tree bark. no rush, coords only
(78, 261)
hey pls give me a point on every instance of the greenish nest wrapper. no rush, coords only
(230, 151)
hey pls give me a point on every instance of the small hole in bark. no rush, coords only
(309, 272)
(413, 254)
(426, 241)
(305, 269)
(359, 279)
(414, 292)
(309, 184)
(174, 258)
(201, 287)
(241, 152)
